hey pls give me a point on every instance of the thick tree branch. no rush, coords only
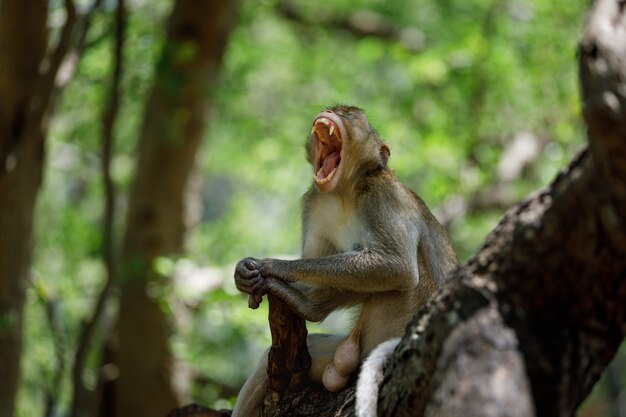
(194, 410)
(602, 59)
(23, 43)
(157, 218)
(289, 358)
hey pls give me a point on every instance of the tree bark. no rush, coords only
(528, 324)
(288, 358)
(172, 128)
(23, 122)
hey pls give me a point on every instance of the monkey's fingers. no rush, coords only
(260, 285)
(254, 300)
(248, 285)
(249, 264)
(242, 271)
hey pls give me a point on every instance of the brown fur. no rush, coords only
(367, 241)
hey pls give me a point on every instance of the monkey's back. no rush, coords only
(396, 308)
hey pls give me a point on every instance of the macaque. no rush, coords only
(367, 241)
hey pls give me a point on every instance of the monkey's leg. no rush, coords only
(322, 348)
(312, 304)
(334, 358)
(250, 398)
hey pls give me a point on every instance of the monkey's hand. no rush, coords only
(249, 280)
(251, 275)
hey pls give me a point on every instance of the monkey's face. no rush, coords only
(341, 141)
(326, 149)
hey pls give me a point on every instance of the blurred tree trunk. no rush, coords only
(27, 86)
(172, 129)
(22, 48)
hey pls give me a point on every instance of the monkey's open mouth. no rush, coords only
(327, 148)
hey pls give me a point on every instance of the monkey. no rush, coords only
(367, 241)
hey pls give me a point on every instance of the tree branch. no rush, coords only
(361, 24)
(108, 248)
(520, 154)
(288, 359)
(52, 316)
(69, 64)
(58, 55)
(195, 410)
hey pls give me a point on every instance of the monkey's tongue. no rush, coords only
(330, 162)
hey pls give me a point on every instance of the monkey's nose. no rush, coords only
(328, 111)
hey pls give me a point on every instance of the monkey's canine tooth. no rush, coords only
(332, 129)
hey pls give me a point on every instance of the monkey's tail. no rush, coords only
(370, 378)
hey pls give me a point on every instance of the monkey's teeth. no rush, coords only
(322, 181)
(321, 136)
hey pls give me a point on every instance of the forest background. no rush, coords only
(477, 99)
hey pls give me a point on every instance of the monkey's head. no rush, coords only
(343, 145)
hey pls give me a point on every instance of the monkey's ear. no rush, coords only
(384, 154)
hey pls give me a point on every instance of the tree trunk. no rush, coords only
(23, 45)
(156, 225)
(528, 325)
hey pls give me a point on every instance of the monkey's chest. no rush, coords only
(333, 227)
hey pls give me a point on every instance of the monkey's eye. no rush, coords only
(328, 145)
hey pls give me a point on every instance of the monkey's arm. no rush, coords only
(387, 262)
(312, 304)
(367, 270)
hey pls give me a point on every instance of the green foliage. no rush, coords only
(484, 72)
(487, 71)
